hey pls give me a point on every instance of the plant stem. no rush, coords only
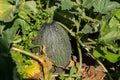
(104, 68)
(47, 6)
(29, 14)
(68, 30)
(39, 3)
(77, 23)
(17, 4)
(65, 75)
(78, 43)
(88, 18)
(110, 78)
(27, 53)
(80, 55)
(88, 43)
(77, 26)
(40, 60)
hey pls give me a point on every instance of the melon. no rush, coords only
(56, 41)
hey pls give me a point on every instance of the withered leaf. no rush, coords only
(47, 65)
(33, 71)
(91, 73)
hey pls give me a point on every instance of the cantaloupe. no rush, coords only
(56, 41)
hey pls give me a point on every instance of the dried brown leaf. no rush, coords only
(91, 73)
(47, 65)
(70, 64)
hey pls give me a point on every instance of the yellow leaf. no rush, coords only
(70, 64)
(33, 71)
(5, 10)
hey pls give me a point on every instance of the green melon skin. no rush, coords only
(56, 41)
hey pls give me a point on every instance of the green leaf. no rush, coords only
(66, 4)
(51, 10)
(7, 37)
(104, 53)
(32, 6)
(105, 6)
(113, 46)
(62, 77)
(5, 11)
(113, 34)
(9, 34)
(87, 29)
(116, 13)
(108, 33)
(23, 15)
(64, 17)
(21, 23)
(72, 70)
(113, 22)
(88, 3)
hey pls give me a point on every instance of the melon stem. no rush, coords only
(80, 56)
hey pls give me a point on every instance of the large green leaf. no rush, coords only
(87, 29)
(66, 4)
(23, 15)
(21, 23)
(90, 29)
(72, 70)
(104, 53)
(32, 6)
(113, 22)
(116, 13)
(108, 33)
(5, 11)
(105, 6)
(88, 3)
(7, 36)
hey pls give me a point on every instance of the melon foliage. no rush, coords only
(56, 41)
